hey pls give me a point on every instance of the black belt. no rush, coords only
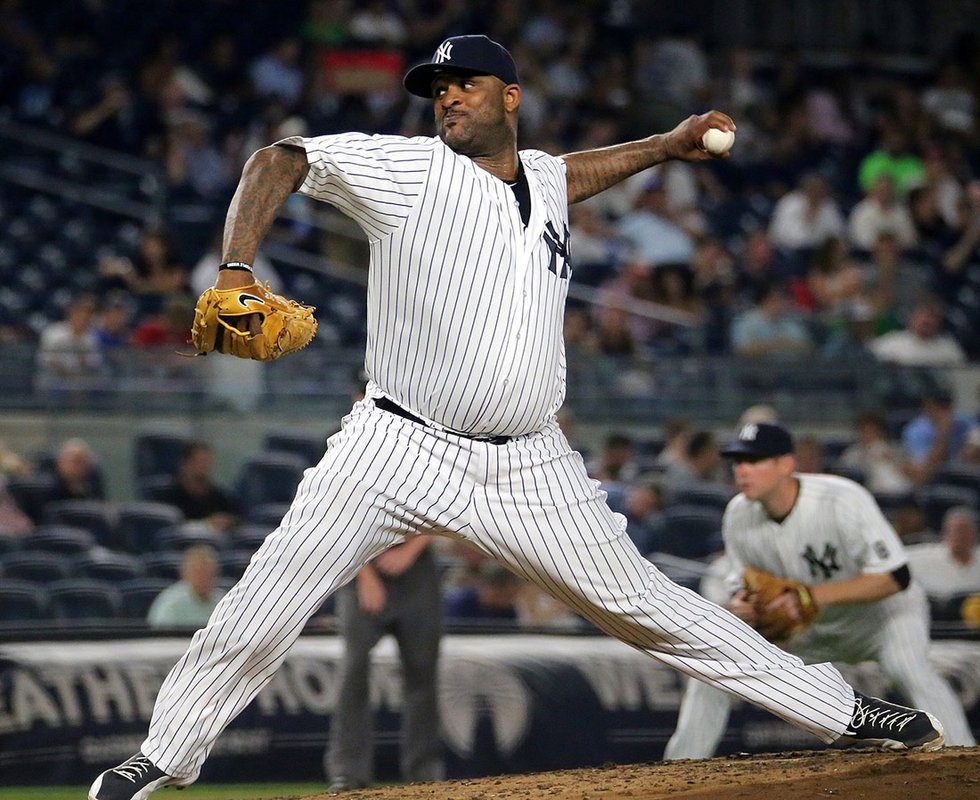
(387, 405)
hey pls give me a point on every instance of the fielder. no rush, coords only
(827, 534)
(457, 435)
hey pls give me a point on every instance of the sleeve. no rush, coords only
(734, 559)
(375, 180)
(872, 541)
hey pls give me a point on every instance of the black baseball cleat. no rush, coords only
(887, 726)
(135, 779)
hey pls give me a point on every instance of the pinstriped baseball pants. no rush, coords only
(528, 503)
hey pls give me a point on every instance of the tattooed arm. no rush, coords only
(589, 172)
(269, 177)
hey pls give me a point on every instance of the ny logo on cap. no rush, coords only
(748, 432)
(443, 53)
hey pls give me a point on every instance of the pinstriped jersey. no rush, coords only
(465, 304)
(835, 531)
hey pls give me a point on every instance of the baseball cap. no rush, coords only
(761, 440)
(473, 55)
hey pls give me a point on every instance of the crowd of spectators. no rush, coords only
(851, 199)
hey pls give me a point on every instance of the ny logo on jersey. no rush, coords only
(822, 566)
(558, 244)
(443, 53)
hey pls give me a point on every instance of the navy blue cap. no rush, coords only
(471, 55)
(761, 440)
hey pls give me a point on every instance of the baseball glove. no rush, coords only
(784, 608)
(284, 325)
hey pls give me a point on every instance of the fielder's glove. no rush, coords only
(284, 325)
(784, 608)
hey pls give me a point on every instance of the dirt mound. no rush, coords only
(951, 774)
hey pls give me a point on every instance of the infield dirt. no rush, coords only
(951, 774)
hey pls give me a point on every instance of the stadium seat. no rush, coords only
(691, 531)
(267, 514)
(138, 595)
(94, 516)
(138, 522)
(162, 564)
(307, 446)
(23, 601)
(958, 476)
(107, 565)
(35, 565)
(704, 494)
(936, 499)
(32, 493)
(234, 562)
(85, 599)
(66, 539)
(270, 478)
(187, 534)
(158, 451)
(250, 537)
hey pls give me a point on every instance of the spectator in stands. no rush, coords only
(809, 454)
(881, 210)
(677, 432)
(932, 439)
(153, 274)
(189, 602)
(806, 216)
(968, 457)
(949, 569)
(76, 472)
(834, 280)
(12, 463)
(893, 158)
(277, 73)
(493, 598)
(14, 522)
(196, 166)
(118, 118)
(769, 328)
(702, 463)
(113, 331)
(195, 492)
(922, 342)
(616, 461)
(68, 355)
(643, 509)
(880, 460)
(461, 562)
(650, 228)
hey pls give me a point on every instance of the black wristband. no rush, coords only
(241, 265)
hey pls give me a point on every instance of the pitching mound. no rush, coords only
(951, 774)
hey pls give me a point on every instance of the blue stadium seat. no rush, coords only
(23, 601)
(251, 536)
(704, 494)
(85, 599)
(138, 522)
(66, 539)
(307, 446)
(107, 565)
(35, 565)
(267, 514)
(187, 534)
(32, 493)
(162, 564)
(234, 562)
(94, 516)
(936, 499)
(691, 531)
(270, 478)
(138, 595)
(158, 451)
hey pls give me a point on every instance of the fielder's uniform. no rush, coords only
(834, 532)
(457, 436)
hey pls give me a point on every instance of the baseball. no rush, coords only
(716, 141)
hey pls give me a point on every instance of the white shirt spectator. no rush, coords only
(794, 227)
(912, 350)
(939, 574)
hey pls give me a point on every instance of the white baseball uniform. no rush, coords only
(465, 308)
(835, 531)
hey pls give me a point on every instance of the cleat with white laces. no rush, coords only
(135, 779)
(887, 726)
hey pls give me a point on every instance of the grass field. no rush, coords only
(226, 791)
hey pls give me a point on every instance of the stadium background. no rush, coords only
(120, 120)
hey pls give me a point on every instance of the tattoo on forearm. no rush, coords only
(591, 171)
(269, 177)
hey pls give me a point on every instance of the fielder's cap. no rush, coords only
(761, 440)
(471, 55)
